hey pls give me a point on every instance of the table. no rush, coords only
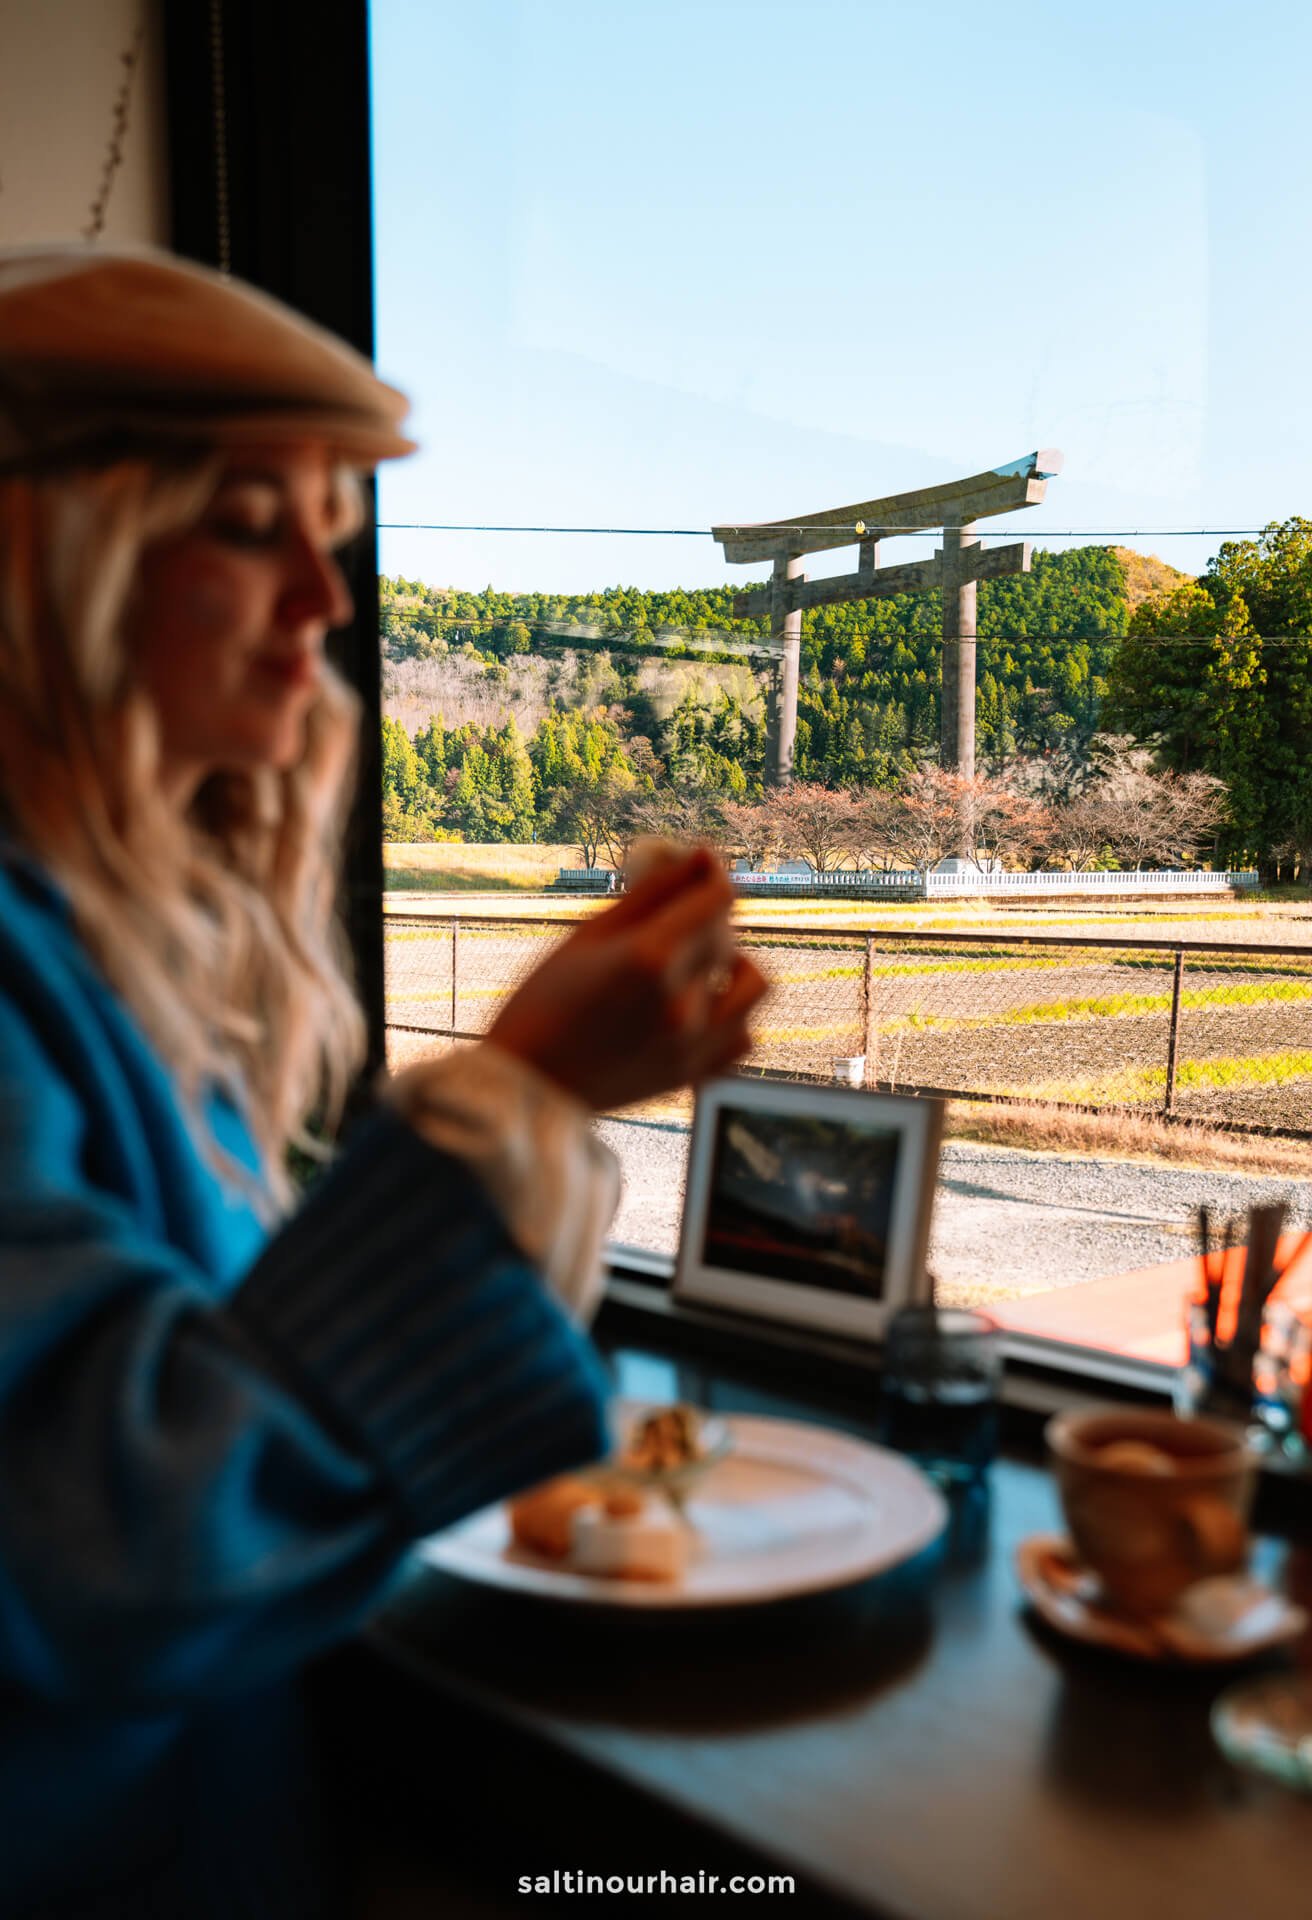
(917, 1748)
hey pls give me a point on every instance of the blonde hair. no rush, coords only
(218, 928)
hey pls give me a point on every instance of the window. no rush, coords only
(654, 269)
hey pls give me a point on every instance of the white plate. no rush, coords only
(793, 1509)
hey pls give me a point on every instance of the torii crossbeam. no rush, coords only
(956, 567)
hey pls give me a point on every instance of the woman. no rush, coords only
(224, 1419)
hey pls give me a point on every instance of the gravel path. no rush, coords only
(1061, 1221)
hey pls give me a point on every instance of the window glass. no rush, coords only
(655, 269)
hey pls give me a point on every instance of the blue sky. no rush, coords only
(670, 262)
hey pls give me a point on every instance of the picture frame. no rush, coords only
(809, 1204)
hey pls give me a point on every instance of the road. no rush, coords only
(1007, 1222)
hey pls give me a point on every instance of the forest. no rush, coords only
(1097, 668)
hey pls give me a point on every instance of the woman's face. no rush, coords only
(233, 612)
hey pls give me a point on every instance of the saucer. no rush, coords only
(1214, 1622)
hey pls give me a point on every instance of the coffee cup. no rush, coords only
(1153, 1502)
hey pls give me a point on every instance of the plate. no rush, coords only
(1214, 1623)
(1267, 1725)
(791, 1509)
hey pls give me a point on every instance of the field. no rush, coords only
(435, 868)
(1050, 1020)
(1089, 1026)
(457, 866)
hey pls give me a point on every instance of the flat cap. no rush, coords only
(97, 344)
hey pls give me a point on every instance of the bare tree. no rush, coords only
(874, 829)
(815, 822)
(749, 830)
(676, 813)
(1295, 853)
(1135, 826)
(926, 824)
(1003, 824)
(1080, 831)
(1157, 817)
(1195, 806)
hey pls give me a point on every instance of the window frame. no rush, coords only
(257, 186)
(270, 176)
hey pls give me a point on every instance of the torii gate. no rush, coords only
(957, 567)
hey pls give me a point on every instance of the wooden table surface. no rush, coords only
(918, 1748)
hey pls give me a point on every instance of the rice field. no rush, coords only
(1088, 1025)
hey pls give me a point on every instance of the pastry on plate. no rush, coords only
(623, 1519)
(541, 1519)
(629, 1536)
(664, 1440)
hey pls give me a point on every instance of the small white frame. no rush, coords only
(916, 1124)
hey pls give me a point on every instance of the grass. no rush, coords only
(453, 868)
(900, 970)
(784, 1036)
(457, 866)
(1125, 1136)
(1144, 1083)
(1040, 1128)
(1008, 962)
(1266, 916)
(507, 875)
(1112, 1006)
(796, 977)
(426, 996)
(438, 930)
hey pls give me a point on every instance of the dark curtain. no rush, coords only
(268, 110)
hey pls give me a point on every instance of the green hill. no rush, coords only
(1146, 576)
(657, 682)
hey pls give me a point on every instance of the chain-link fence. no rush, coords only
(1211, 1033)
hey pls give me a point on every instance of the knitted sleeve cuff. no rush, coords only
(534, 1149)
(411, 1319)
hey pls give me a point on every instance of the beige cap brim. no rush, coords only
(97, 344)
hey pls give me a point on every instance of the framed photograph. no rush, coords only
(809, 1204)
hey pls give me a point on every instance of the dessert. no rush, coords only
(629, 1536)
(542, 1518)
(623, 1520)
(615, 1533)
(663, 1441)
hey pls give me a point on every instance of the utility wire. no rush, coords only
(727, 640)
(858, 531)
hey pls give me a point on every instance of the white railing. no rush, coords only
(930, 886)
(843, 881)
(1140, 880)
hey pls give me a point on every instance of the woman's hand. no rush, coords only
(646, 997)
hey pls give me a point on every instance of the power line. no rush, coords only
(675, 635)
(857, 532)
(439, 526)
(727, 640)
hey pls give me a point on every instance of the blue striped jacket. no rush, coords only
(215, 1446)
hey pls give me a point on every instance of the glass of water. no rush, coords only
(942, 1372)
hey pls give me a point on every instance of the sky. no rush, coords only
(670, 263)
